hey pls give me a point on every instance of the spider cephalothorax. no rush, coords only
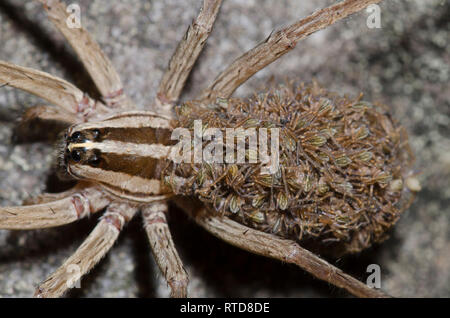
(124, 154)
(338, 176)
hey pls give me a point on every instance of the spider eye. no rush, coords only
(75, 155)
(76, 135)
(94, 160)
(95, 133)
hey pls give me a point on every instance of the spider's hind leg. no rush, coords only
(276, 45)
(269, 245)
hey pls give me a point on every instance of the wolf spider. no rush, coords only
(72, 107)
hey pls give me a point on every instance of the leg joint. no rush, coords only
(155, 213)
(117, 215)
(178, 286)
(81, 204)
(114, 98)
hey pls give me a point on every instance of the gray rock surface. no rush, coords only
(404, 64)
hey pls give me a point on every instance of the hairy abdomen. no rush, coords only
(342, 170)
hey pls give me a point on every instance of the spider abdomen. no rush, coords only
(342, 166)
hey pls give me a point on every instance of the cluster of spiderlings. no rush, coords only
(341, 173)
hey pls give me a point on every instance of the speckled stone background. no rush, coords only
(404, 64)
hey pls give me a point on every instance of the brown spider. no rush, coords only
(122, 198)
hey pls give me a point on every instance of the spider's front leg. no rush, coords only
(72, 104)
(47, 113)
(75, 106)
(64, 208)
(163, 248)
(94, 60)
(93, 249)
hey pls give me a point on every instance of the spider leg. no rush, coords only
(50, 197)
(53, 213)
(91, 251)
(94, 60)
(288, 251)
(46, 112)
(163, 248)
(186, 54)
(42, 123)
(53, 89)
(277, 44)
